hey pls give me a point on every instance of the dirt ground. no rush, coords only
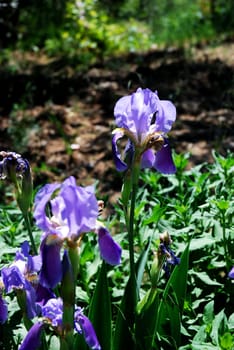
(61, 118)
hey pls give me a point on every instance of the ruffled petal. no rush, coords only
(32, 341)
(165, 117)
(109, 249)
(84, 326)
(163, 160)
(120, 165)
(81, 209)
(42, 198)
(51, 271)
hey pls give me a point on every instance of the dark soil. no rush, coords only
(61, 118)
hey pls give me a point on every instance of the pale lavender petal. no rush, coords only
(3, 310)
(165, 117)
(32, 341)
(109, 249)
(148, 159)
(163, 160)
(81, 209)
(134, 112)
(41, 200)
(120, 165)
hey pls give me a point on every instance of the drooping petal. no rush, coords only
(41, 200)
(84, 326)
(166, 115)
(3, 310)
(32, 341)
(120, 165)
(32, 309)
(148, 159)
(109, 249)
(51, 271)
(163, 160)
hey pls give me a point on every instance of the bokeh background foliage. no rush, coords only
(102, 27)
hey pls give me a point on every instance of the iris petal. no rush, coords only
(120, 165)
(109, 249)
(84, 326)
(148, 159)
(32, 341)
(51, 271)
(163, 160)
(3, 310)
(166, 116)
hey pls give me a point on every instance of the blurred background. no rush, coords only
(64, 64)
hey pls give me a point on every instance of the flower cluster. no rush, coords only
(73, 212)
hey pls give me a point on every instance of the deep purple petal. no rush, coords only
(3, 310)
(12, 278)
(41, 200)
(148, 159)
(32, 341)
(83, 323)
(32, 308)
(231, 273)
(51, 271)
(109, 249)
(120, 165)
(43, 294)
(163, 160)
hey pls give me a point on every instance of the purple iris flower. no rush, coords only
(21, 275)
(166, 251)
(53, 312)
(144, 119)
(73, 211)
(231, 273)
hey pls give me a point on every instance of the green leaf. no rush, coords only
(126, 316)
(100, 310)
(172, 303)
(205, 278)
(227, 341)
(208, 313)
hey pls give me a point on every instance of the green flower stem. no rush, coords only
(129, 193)
(225, 247)
(29, 229)
(68, 286)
